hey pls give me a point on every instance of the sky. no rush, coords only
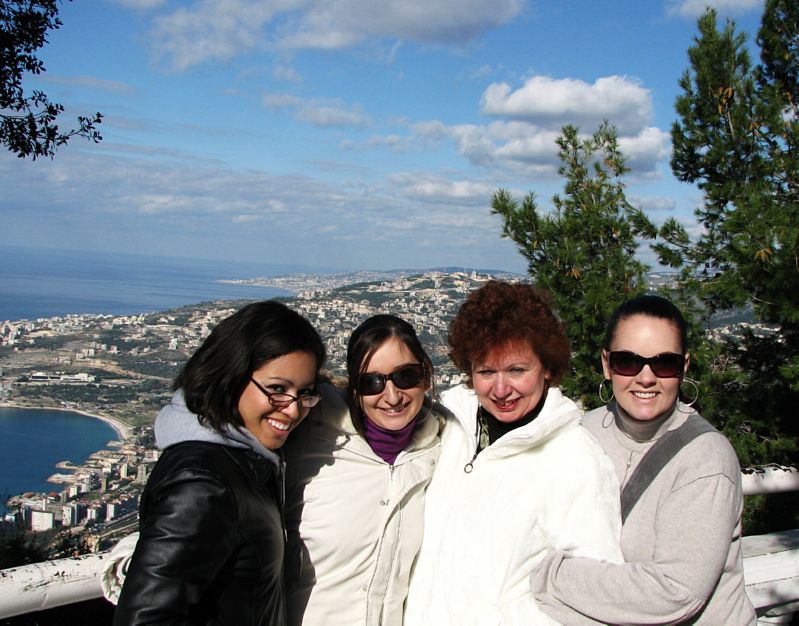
(344, 134)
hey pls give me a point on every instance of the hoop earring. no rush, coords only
(601, 387)
(694, 384)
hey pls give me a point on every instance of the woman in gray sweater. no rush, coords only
(681, 537)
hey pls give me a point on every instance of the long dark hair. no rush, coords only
(215, 376)
(365, 341)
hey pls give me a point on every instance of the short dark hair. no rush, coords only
(365, 340)
(501, 313)
(649, 305)
(215, 376)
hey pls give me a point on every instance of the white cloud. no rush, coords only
(384, 140)
(433, 130)
(335, 115)
(525, 148)
(393, 142)
(695, 8)
(286, 72)
(89, 82)
(214, 30)
(524, 143)
(141, 4)
(162, 203)
(552, 103)
(645, 150)
(281, 101)
(319, 111)
(244, 219)
(149, 205)
(429, 188)
(341, 23)
(653, 204)
(483, 71)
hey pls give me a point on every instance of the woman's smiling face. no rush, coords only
(393, 408)
(645, 396)
(293, 373)
(510, 381)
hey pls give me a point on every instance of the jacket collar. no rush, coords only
(175, 423)
(558, 412)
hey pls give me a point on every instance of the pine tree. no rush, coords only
(736, 138)
(583, 252)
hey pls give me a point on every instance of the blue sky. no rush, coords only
(347, 134)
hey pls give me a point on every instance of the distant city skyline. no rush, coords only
(344, 134)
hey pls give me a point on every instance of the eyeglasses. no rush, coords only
(404, 377)
(664, 365)
(282, 400)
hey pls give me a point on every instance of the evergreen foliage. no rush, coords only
(583, 252)
(28, 123)
(736, 138)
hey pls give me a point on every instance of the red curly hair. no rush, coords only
(500, 314)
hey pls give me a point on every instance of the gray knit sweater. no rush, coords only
(681, 542)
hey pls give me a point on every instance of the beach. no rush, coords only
(36, 441)
(123, 430)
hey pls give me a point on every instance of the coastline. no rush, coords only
(123, 430)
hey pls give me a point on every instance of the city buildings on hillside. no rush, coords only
(130, 360)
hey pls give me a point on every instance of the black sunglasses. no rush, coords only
(665, 365)
(405, 377)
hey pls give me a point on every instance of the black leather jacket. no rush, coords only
(211, 541)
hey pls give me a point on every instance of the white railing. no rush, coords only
(771, 566)
(771, 562)
(40, 586)
(769, 479)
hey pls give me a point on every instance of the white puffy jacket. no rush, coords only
(544, 485)
(354, 522)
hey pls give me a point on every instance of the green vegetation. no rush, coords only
(583, 252)
(56, 342)
(162, 364)
(20, 547)
(736, 137)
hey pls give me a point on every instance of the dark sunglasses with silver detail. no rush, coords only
(405, 377)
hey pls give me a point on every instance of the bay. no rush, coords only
(39, 282)
(33, 441)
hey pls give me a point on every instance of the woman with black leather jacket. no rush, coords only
(212, 537)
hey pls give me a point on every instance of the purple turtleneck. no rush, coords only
(387, 444)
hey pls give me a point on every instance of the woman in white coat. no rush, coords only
(518, 474)
(356, 483)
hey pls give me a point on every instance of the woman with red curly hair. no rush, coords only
(518, 474)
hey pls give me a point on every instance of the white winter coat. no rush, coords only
(354, 520)
(544, 485)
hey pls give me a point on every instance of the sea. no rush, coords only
(33, 441)
(37, 282)
(40, 282)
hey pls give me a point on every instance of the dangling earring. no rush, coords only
(693, 384)
(601, 387)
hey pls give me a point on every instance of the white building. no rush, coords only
(42, 520)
